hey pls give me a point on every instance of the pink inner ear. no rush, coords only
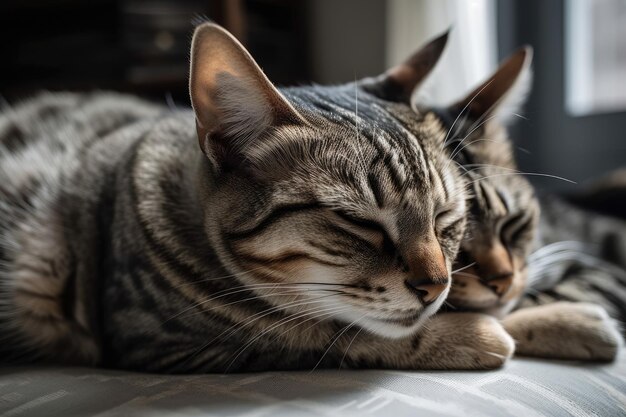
(490, 94)
(244, 111)
(410, 74)
(232, 98)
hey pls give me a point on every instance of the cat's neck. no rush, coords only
(167, 192)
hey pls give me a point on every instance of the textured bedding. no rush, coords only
(523, 388)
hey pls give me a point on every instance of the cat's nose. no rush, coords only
(500, 284)
(426, 290)
(428, 271)
(495, 268)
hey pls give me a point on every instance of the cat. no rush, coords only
(153, 235)
(294, 229)
(503, 209)
(495, 257)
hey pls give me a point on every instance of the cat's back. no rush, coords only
(59, 156)
(45, 137)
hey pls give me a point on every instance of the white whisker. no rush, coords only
(239, 326)
(456, 150)
(349, 345)
(535, 174)
(345, 329)
(456, 271)
(237, 290)
(280, 323)
(463, 110)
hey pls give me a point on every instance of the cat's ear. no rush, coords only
(399, 82)
(503, 94)
(233, 101)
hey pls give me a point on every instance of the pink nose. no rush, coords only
(500, 284)
(426, 290)
(428, 271)
(495, 268)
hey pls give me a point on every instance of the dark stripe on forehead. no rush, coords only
(336, 110)
(374, 184)
(382, 158)
(401, 139)
(377, 125)
(399, 125)
(493, 198)
(436, 174)
(503, 199)
(394, 175)
(485, 196)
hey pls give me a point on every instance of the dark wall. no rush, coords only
(577, 148)
(138, 46)
(347, 39)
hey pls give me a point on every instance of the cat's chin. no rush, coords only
(392, 326)
(390, 329)
(395, 329)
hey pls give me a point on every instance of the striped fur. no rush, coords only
(504, 214)
(291, 238)
(120, 248)
(575, 273)
(306, 230)
(568, 264)
(579, 256)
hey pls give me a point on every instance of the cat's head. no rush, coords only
(320, 211)
(503, 210)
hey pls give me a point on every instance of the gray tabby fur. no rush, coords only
(576, 271)
(290, 247)
(123, 245)
(106, 260)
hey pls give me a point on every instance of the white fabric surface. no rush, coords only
(523, 388)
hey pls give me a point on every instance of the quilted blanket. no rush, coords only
(523, 387)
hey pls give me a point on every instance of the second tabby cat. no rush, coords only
(495, 256)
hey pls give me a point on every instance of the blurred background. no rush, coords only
(574, 123)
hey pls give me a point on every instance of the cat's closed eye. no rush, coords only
(444, 218)
(372, 228)
(513, 228)
(359, 221)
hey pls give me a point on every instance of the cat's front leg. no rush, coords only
(447, 341)
(464, 341)
(565, 330)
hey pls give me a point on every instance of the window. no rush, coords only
(595, 42)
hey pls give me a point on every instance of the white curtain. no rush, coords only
(470, 55)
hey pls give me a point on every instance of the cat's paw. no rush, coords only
(467, 341)
(564, 330)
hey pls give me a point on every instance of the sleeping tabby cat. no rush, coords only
(297, 234)
(312, 228)
(495, 257)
